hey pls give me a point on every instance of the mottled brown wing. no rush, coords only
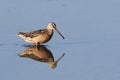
(35, 33)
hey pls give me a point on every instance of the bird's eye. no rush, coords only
(54, 25)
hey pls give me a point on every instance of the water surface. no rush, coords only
(91, 47)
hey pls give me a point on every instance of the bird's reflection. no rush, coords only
(42, 54)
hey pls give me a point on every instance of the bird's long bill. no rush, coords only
(60, 58)
(60, 33)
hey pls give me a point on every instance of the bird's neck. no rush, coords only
(50, 31)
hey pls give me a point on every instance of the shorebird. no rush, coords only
(40, 36)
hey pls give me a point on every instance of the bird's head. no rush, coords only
(52, 26)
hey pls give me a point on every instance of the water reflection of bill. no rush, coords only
(41, 54)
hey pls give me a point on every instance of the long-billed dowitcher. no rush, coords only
(40, 36)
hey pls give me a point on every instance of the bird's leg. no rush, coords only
(37, 44)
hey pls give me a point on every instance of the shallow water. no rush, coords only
(91, 45)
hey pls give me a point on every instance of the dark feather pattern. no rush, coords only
(34, 33)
